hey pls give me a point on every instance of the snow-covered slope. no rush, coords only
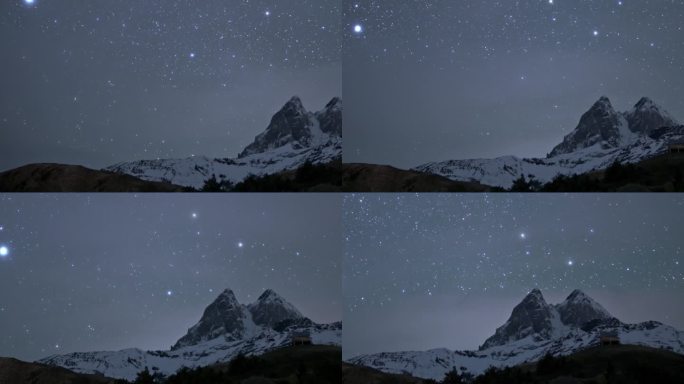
(602, 138)
(534, 329)
(294, 137)
(226, 329)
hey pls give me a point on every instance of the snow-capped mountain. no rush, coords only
(602, 137)
(534, 329)
(226, 329)
(294, 137)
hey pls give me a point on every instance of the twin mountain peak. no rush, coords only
(534, 316)
(294, 137)
(225, 316)
(294, 124)
(603, 124)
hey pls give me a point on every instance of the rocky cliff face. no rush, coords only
(647, 116)
(271, 309)
(225, 330)
(225, 316)
(293, 138)
(533, 316)
(579, 309)
(534, 329)
(602, 137)
(292, 124)
(601, 124)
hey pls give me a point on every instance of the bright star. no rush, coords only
(4, 251)
(570, 263)
(267, 13)
(194, 215)
(358, 28)
(596, 33)
(192, 55)
(169, 293)
(523, 236)
(29, 1)
(240, 245)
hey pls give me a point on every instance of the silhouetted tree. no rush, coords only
(144, 377)
(452, 377)
(521, 185)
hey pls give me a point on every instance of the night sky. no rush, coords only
(433, 271)
(437, 80)
(96, 82)
(107, 272)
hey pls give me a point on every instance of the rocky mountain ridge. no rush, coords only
(534, 329)
(226, 329)
(602, 137)
(294, 137)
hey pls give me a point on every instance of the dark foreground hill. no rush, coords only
(13, 371)
(620, 364)
(75, 178)
(625, 364)
(356, 374)
(663, 173)
(383, 178)
(312, 364)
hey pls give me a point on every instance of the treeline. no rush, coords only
(616, 178)
(308, 177)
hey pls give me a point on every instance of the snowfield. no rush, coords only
(294, 137)
(514, 343)
(602, 138)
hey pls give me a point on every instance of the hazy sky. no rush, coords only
(107, 272)
(96, 82)
(440, 79)
(444, 271)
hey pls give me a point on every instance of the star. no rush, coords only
(596, 33)
(29, 2)
(192, 55)
(358, 28)
(240, 244)
(523, 236)
(169, 292)
(194, 215)
(570, 263)
(4, 251)
(267, 13)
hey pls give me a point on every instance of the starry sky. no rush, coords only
(107, 272)
(444, 271)
(437, 80)
(96, 82)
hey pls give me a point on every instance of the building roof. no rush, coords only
(300, 334)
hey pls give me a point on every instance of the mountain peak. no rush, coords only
(268, 295)
(336, 102)
(603, 101)
(599, 125)
(535, 295)
(575, 295)
(646, 116)
(290, 125)
(531, 316)
(295, 102)
(225, 315)
(578, 309)
(271, 308)
(644, 102)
